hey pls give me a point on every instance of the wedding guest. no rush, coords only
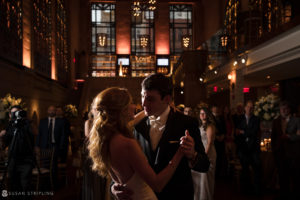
(114, 150)
(285, 141)
(204, 183)
(159, 135)
(52, 135)
(238, 114)
(229, 136)
(248, 149)
(59, 113)
(188, 111)
(221, 164)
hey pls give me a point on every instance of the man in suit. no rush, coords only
(286, 150)
(248, 148)
(161, 133)
(53, 134)
(67, 132)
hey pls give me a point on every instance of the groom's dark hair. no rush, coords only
(158, 82)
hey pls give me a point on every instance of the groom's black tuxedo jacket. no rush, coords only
(181, 185)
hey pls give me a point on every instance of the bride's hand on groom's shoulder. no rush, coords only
(121, 192)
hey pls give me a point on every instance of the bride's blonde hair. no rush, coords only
(110, 120)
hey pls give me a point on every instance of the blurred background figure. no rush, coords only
(248, 150)
(188, 111)
(59, 114)
(286, 149)
(53, 135)
(204, 183)
(221, 166)
(229, 135)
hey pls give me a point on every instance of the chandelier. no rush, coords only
(139, 5)
(144, 41)
(152, 4)
(186, 41)
(101, 40)
(136, 7)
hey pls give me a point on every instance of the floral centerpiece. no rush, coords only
(267, 107)
(71, 111)
(7, 102)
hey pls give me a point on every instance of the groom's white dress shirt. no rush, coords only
(158, 125)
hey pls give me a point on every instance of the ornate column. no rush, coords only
(236, 88)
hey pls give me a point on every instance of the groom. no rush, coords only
(160, 134)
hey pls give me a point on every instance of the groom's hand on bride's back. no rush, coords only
(121, 192)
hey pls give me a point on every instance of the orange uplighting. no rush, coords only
(162, 51)
(232, 76)
(26, 58)
(123, 47)
(53, 68)
(162, 43)
(26, 44)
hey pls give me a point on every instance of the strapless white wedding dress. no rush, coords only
(204, 183)
(141, 191)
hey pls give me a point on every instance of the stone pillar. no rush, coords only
(236, 88)
(53, 42)
(27, 10)
(162, 30)
(123, 25)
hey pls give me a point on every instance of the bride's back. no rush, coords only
(121, 150)
(119, 157)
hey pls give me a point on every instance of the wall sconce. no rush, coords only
(181, 84)
(244, 58)
(144, 40)
(101, 40)
(186, 41)
(224, 40)
(232, 76)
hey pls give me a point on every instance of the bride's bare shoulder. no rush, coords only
(121, 141)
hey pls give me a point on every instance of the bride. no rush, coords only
(115, 152)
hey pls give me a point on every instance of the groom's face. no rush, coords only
(152, 102)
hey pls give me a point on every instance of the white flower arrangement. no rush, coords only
(71, 111)
(267, 108)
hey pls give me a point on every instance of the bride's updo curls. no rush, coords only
(110, 104)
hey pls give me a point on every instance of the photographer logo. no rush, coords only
(4, 193)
